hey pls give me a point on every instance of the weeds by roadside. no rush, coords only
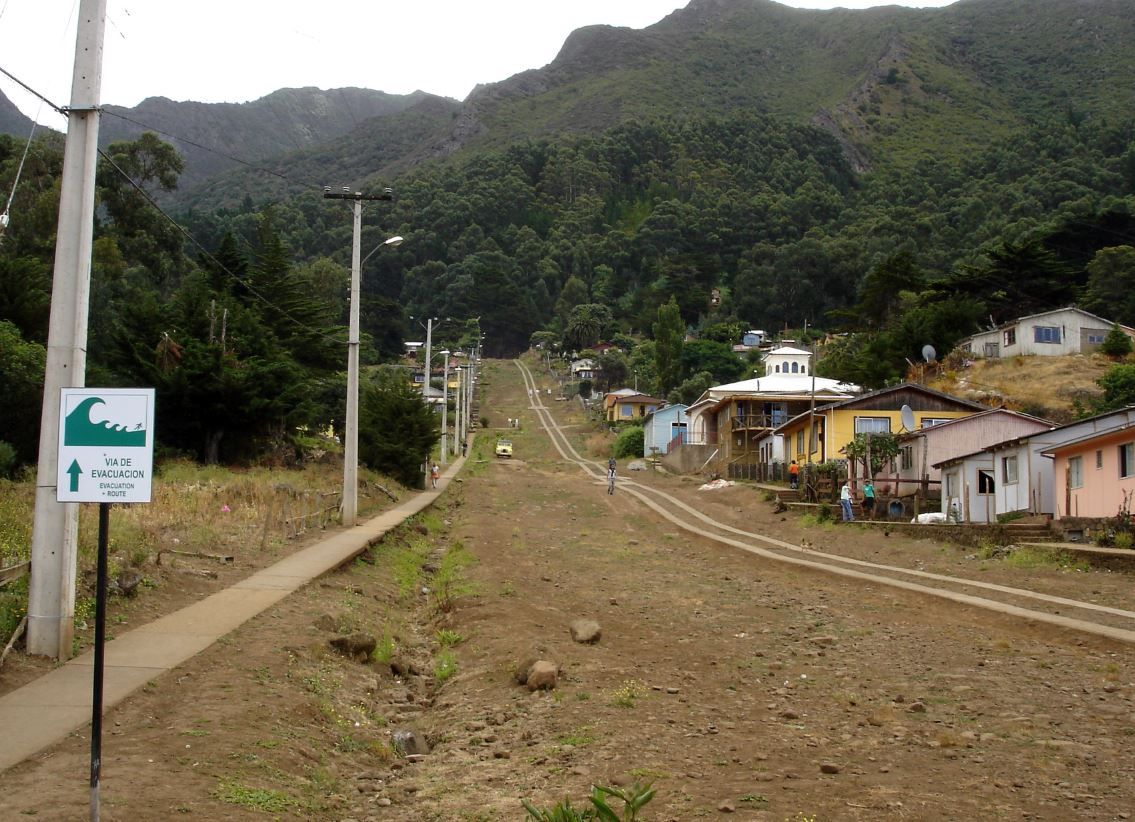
(633, 798)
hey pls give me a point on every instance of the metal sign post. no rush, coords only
(106, 455)
(100, 638)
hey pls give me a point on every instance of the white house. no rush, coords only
(1054, 333)
(942, 439)
(967, 488)
(1014, 475)
(769, 401)
(787, 360)
(583, 369)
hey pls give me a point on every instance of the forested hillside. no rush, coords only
(897, 177)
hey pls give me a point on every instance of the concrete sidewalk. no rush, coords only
(45, 711)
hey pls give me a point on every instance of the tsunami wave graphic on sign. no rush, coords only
(80, 430)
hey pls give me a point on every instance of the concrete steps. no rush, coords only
(1033, 529)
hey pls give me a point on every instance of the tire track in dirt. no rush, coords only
(827, 563)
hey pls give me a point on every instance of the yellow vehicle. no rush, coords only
(504, 448)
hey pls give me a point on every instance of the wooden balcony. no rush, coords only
(755, 422)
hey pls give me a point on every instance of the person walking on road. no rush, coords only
(845, 503)
(434, 474)
(611, 476)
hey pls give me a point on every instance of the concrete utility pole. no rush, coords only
(469, 391)
(444, 403)
(457, 411)
(429, 346)
(351, 432)
(55, 532)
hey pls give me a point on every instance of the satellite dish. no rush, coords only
(928, 353)
(907, 415)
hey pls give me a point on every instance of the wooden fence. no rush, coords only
(303, 511)
(10, 573)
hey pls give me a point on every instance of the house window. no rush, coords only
(1010, 337)
(778, 368)
(800, 442)
(1075, 472)
(985, 482)
(951, 484)
(907, 457)
(1009, 470)
(930, 422)
(1127, 459)
(1099, 459)
(1095, 339)
(626, 410)
(872, 425)
(1046, 334)
(803, 369)
(795, 368)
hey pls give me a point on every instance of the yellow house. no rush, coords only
(822, 435)
(625, 407)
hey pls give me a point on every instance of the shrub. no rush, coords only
(629, 443)
(9, 460)
(1116, 344)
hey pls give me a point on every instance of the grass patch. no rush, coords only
(579, 737)
(384, 649)
(817, 521)
(627, 694)
(449, 583)
(445, 666)
(1029, 557)
(259, 799)
(447, 638)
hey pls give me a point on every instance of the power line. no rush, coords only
(208, 255)
(209, 149)
(31, 91)
(181, 229)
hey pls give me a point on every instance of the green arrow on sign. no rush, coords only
(74, 471)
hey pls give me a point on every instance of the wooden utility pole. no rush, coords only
(51, 593)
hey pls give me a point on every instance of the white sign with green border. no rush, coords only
(106, 445)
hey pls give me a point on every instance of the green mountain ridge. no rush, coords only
(214, 138)
(892, 84)
(955, 75)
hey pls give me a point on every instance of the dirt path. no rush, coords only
(734, 684)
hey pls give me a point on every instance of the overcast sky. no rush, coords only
(239, 50)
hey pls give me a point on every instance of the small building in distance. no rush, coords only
(1053, 333)
(664, 429)
(626, 405)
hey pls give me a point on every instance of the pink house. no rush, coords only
(1094, 475)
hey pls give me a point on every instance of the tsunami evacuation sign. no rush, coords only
(106, 445)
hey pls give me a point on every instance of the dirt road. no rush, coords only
(737, 685)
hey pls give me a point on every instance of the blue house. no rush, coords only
(664, 429)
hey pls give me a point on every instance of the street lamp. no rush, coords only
(351, 445)
(351, 434)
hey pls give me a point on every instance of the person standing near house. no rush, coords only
(868, 498)
(793, 475)
(845, 502)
